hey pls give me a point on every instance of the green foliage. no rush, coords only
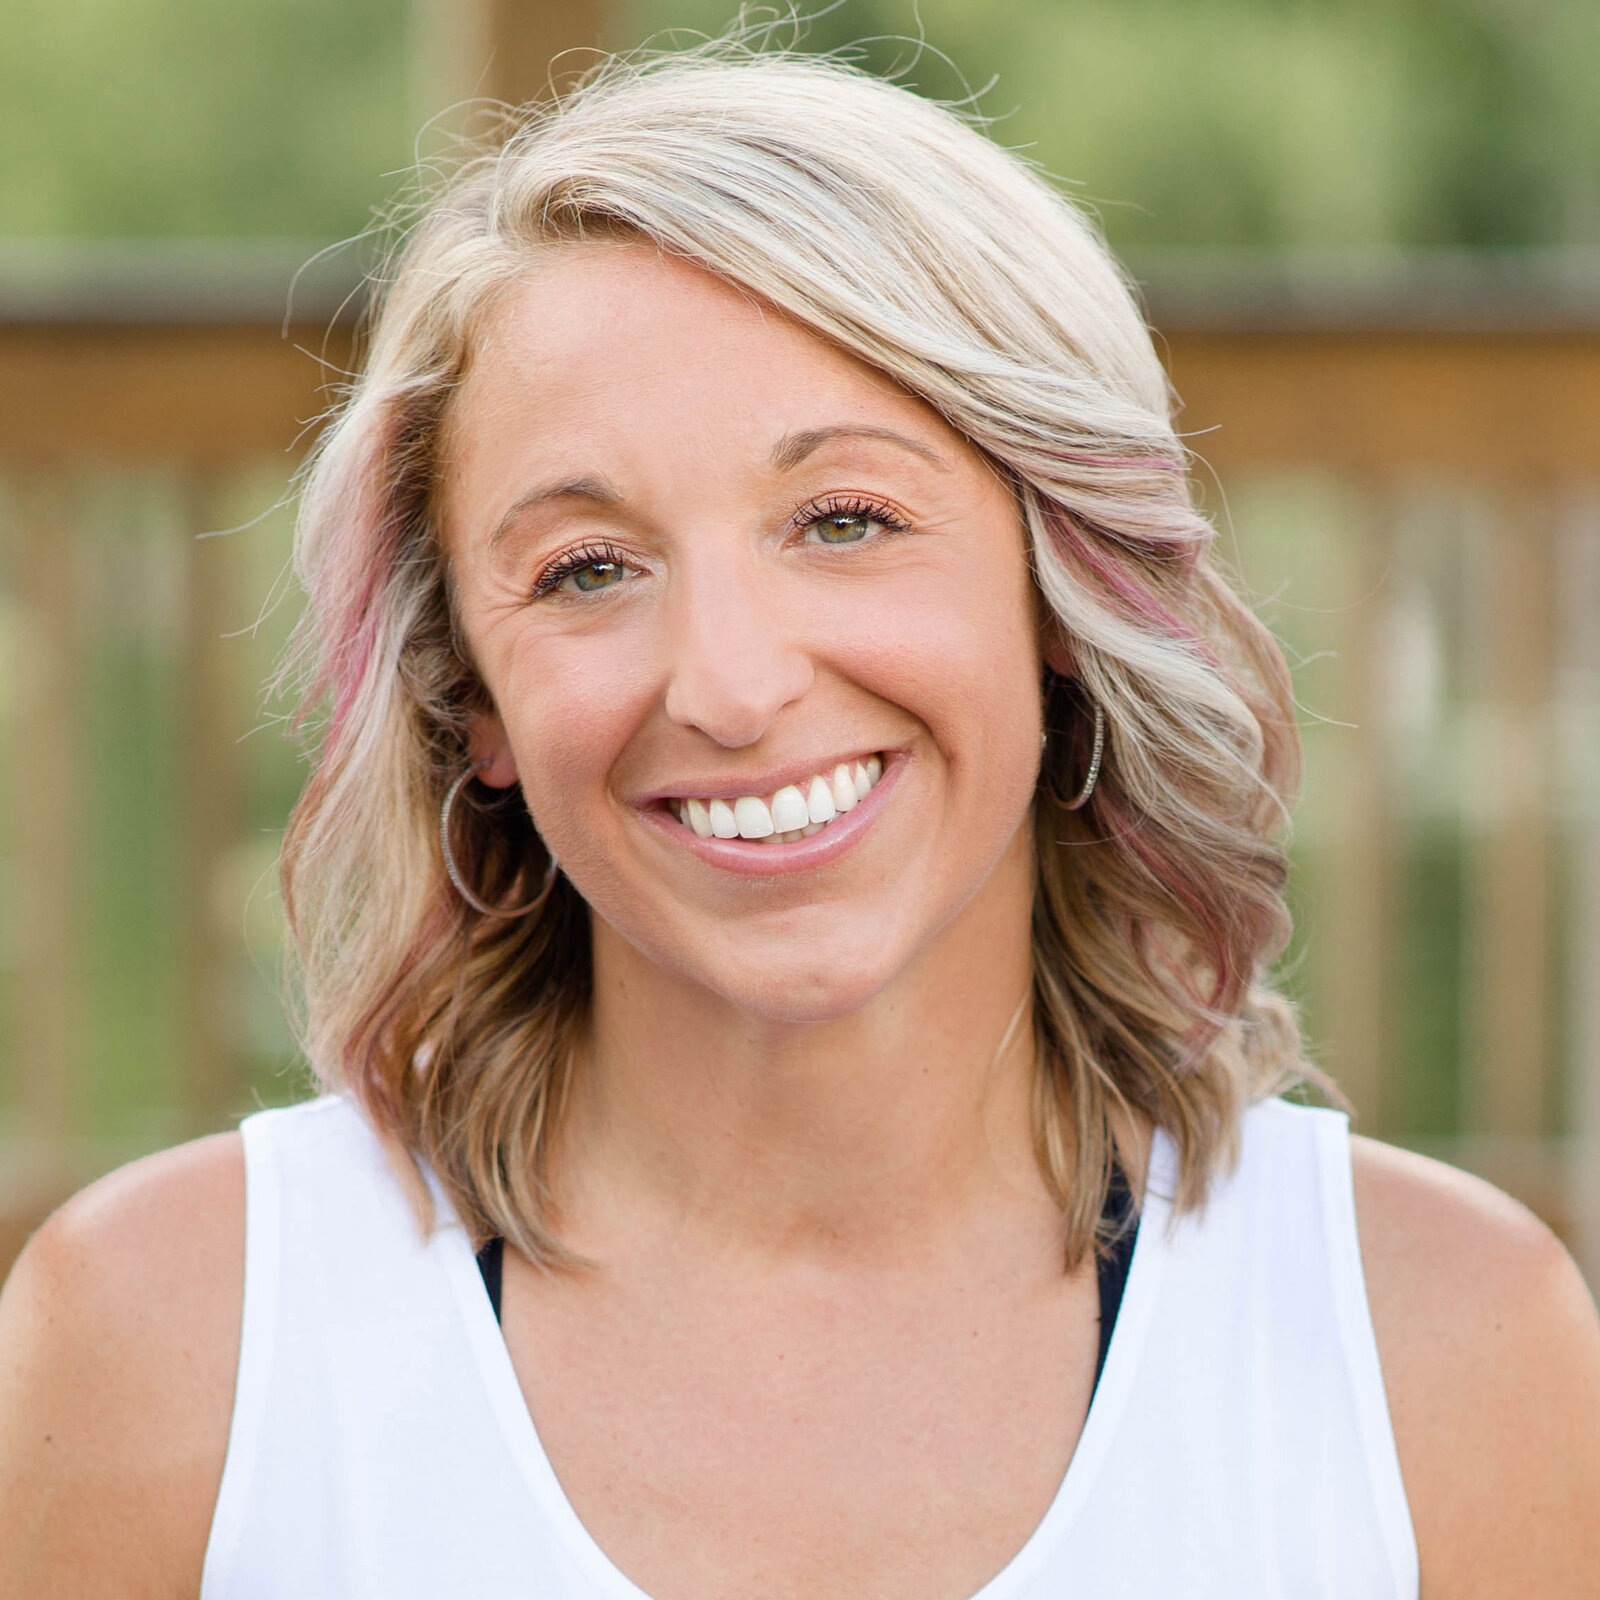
(1309, 124)
(128, 118)
(1293, 123)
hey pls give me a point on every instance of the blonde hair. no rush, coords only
(901, 234)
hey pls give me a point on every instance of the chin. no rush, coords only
(824, 989)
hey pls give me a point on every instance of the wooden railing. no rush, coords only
(1411, 492)
(1460, 524)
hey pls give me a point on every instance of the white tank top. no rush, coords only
(1238, 1445)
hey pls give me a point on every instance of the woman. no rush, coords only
(787, 882)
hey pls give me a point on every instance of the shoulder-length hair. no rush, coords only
(893, 229)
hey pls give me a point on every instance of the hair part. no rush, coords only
(894, 230)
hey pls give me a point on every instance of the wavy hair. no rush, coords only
(900, 233)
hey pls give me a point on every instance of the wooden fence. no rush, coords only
(1410, 491)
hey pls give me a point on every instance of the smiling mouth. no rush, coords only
(796, 811)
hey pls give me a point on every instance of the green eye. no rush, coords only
(844, 527)
(848, 519)
(597, 575)
(586, 570)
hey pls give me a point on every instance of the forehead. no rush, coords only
(620, 351)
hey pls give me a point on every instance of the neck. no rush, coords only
(859, 1134)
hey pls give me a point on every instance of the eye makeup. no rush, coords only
(848, 518)
(842, 510)
(602, 558)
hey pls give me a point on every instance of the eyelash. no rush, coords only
(603, 554)
(571, 561)
(848, 505)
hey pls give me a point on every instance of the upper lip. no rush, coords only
(756, 783)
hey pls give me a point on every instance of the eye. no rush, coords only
(586, 570)
(597, 575)
(848, 521)
(842, 528)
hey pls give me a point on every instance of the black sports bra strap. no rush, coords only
(1111, 1265)
(491, 1263)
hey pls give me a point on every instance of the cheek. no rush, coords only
(570, 705)
(958, 651)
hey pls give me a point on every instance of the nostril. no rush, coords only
(732, 678)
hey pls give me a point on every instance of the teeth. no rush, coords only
(819, 801)
(755, 821)
(797, 811)
(789, 810)
(699, 817)
(844, 789)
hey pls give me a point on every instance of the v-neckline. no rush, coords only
(510, 1407)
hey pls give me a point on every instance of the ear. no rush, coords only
(1057, 653)
(487, 741)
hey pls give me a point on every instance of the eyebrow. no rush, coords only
(788, 453)
(793, 448)
(595, 490)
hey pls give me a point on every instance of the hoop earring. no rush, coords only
(455, 872)
(1096, 757)
(1081, 799)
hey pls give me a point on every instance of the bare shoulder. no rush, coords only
(1490, 1347)
(119, 1339)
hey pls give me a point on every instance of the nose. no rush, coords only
(733, 663)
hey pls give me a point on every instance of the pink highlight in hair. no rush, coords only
(352, 622)
(1213, 945)
(352, 654)
(1136, 601)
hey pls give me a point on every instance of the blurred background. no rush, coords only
(1368, 235)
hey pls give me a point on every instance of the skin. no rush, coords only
(828, 1349)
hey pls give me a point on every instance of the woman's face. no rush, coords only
(720, 578)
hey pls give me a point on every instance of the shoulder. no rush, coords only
(1490, 1348)
(119, 1338)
